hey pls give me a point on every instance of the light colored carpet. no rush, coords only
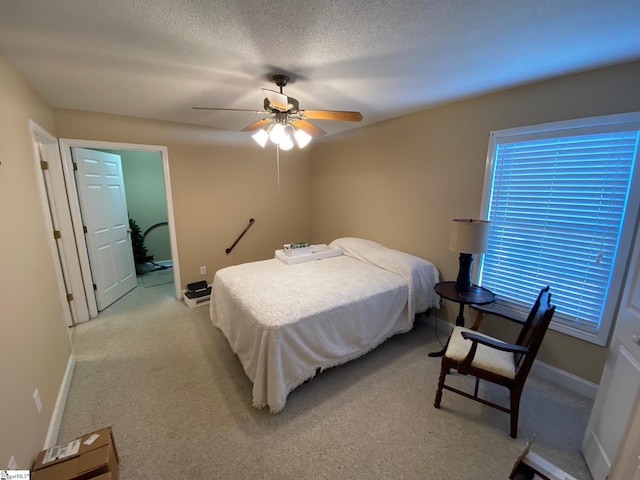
(180, 406)
(156, 277)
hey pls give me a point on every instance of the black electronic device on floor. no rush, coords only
(197, 290)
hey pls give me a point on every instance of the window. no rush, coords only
(562, 200)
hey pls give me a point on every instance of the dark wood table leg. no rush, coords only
(460, 318)
(459, 323)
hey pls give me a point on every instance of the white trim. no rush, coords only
(540, 370)
(444, 327)
(58, 410)
(52, 194)
(171, 222)
(65, 147)
(76, 221)
(69, 248)
(585, 125)
(39, 134)
(582, 126)
(567, 380)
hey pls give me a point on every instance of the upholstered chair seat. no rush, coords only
(486, 358)
(489, 359)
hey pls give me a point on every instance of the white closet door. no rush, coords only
(104, 213)
(610, 434)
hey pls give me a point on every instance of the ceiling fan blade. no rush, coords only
(261, 112)
(332, 115)
(308, 127)
(278, 100)
(256, 125)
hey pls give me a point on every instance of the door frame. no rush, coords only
(53, 200)
(74, 205)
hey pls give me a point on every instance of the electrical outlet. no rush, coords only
(203, 270)
(13, 465)
(37, 401)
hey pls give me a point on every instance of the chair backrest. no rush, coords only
(534, 330)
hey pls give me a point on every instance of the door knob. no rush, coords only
(129, 230)
(635, 339)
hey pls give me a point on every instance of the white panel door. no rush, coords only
(609, 433)
(627, 466)
(104, 214)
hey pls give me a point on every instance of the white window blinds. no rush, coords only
(557, 206)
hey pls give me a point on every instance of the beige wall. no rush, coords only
(216, 189)
(146, 198)
(34, 341)
(400, 182)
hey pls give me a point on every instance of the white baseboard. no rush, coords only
(564, 379)
(444, 327)
(56, 417)
(540, 369)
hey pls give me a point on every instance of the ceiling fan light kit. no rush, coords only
(286, 122)
(283, 136)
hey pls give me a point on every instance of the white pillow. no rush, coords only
(353, 246)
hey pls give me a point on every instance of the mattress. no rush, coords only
(286, 322)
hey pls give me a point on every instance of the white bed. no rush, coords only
(284, 322)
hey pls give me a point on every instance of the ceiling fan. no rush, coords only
(285, 120)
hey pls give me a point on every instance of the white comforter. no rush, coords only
(286, 321)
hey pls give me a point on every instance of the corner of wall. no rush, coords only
(58, 410)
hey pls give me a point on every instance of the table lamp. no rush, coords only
(467, 237)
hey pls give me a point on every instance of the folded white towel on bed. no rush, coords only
(318, 252)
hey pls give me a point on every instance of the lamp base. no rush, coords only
(463, 282)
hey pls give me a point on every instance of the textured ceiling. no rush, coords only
(156, 59)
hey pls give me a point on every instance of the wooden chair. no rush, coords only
(490, 359)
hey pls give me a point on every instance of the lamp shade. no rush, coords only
(286, 143)
(277, 133)
(261, 137)
(469, 236)
(303, 138)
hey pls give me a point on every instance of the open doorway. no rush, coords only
(148, 185)
(147, 213)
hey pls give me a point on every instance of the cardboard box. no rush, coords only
(105, 476)
(92, 456)
(530, 466)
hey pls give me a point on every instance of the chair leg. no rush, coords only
(515, 409)
(443, 373)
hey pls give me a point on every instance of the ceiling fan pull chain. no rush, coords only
(278, 165)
